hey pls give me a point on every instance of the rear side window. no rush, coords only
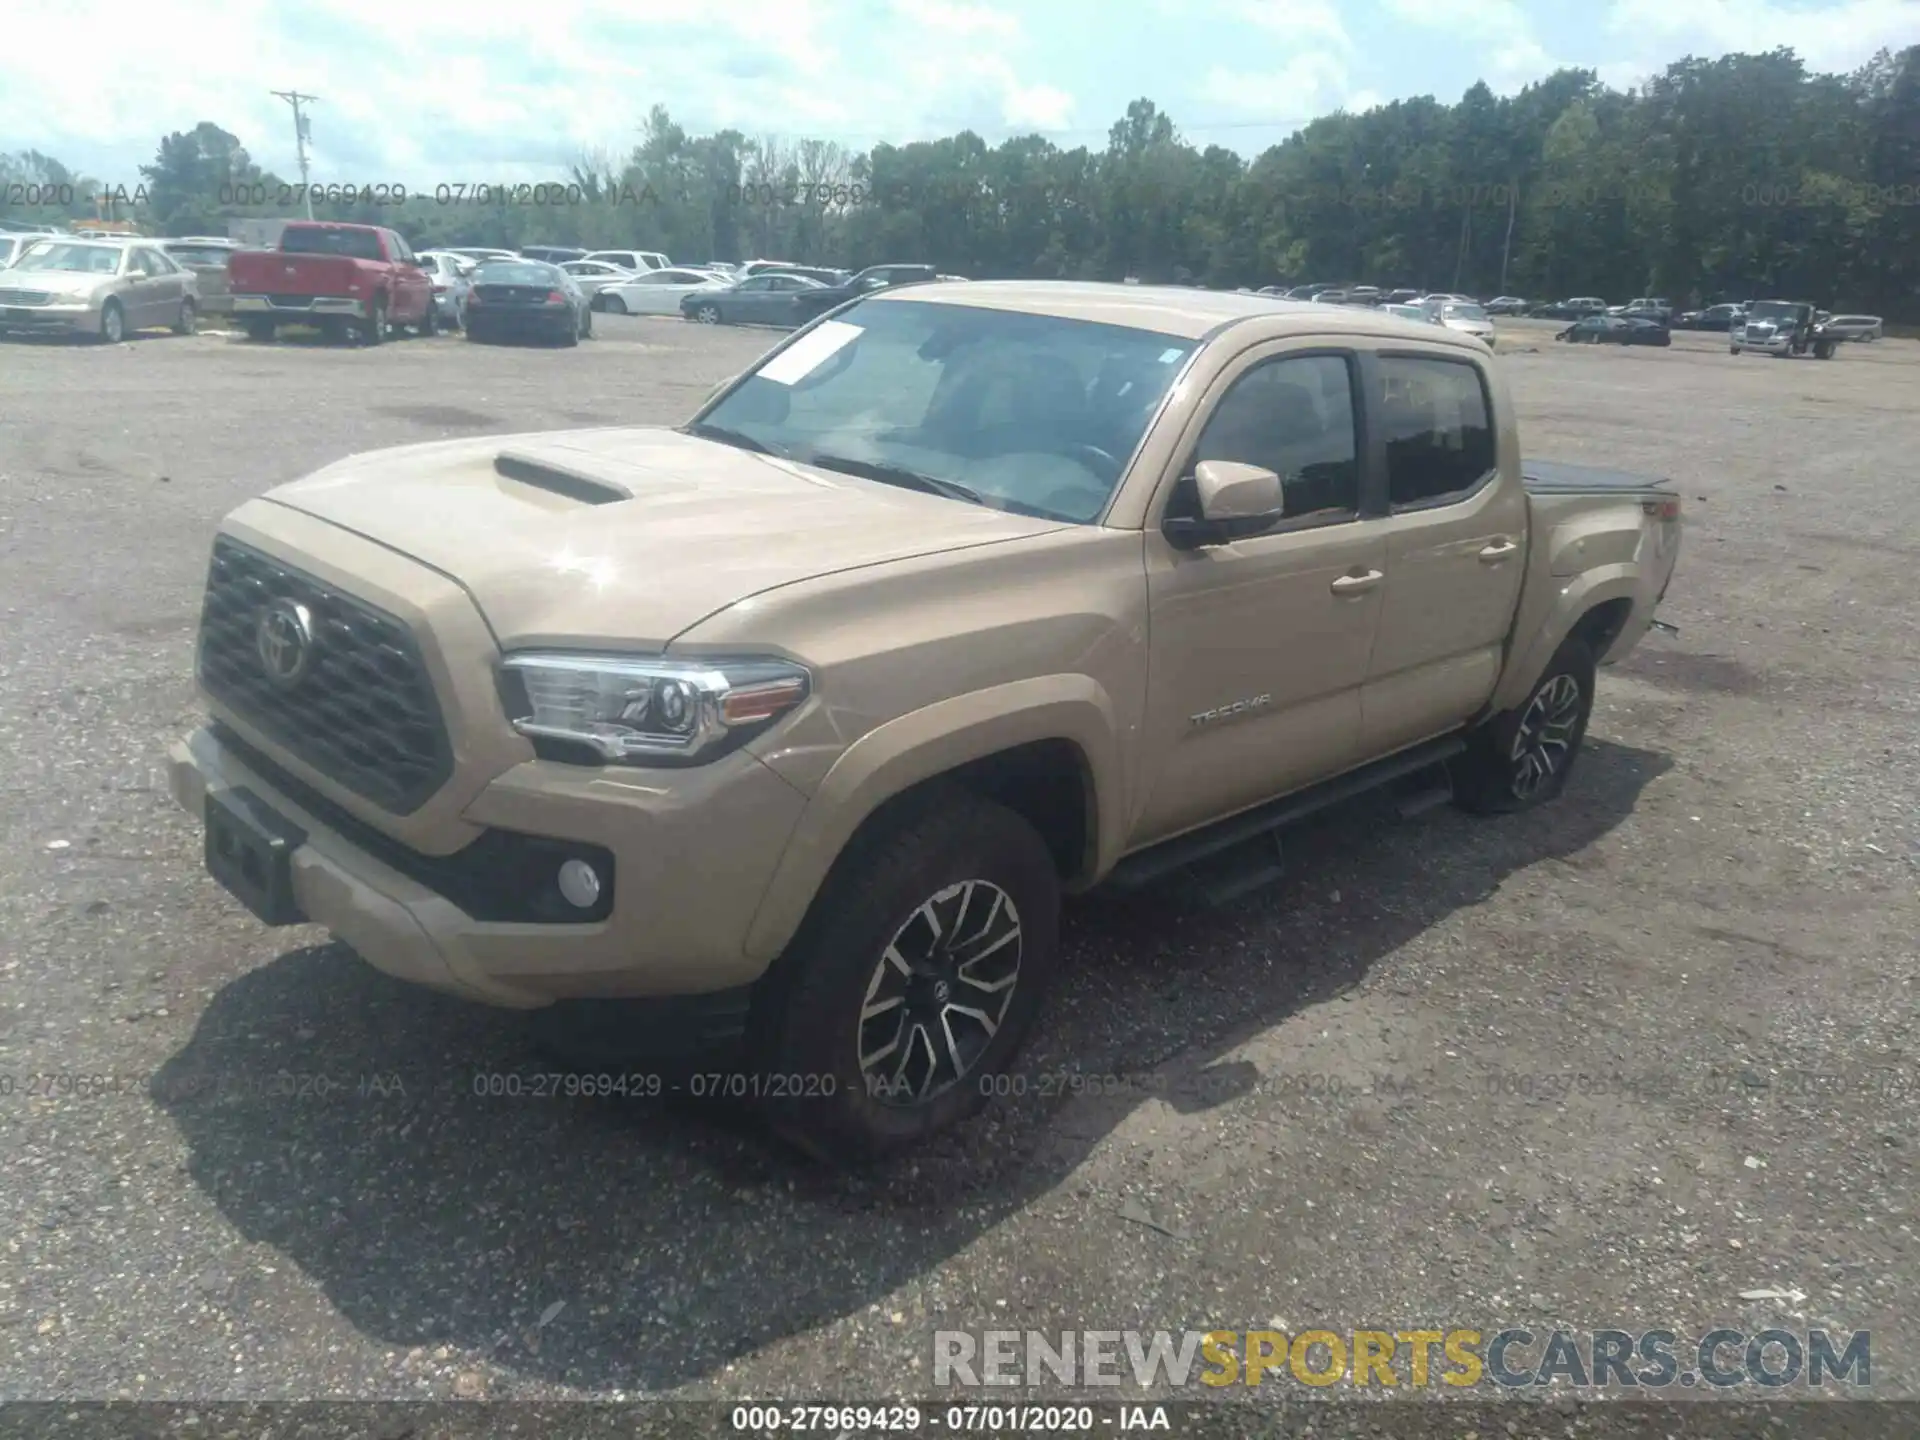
(1438, 429)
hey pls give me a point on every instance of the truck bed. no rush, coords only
(1556, 477)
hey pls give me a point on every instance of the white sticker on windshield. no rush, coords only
(1167, 357)
(809, 352)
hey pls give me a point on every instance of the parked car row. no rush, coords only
(364, 282)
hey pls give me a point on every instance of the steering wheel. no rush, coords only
(1093, 457)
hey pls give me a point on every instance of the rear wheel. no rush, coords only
(707, 314)
(613, 305)
(184, 325)
(373, 330)
(428, 323)
(913, 983)
(1521, 757)
(259, 330)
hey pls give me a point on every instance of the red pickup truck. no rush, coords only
(362, 278)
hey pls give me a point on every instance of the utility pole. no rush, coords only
(300, 133)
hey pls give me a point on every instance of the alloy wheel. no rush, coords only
(939, 993)
(1544, 741)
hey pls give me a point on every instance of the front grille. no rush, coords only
(360, 709)
(25, 297)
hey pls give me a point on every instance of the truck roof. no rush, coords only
(1168, 309)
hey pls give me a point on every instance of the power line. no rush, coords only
(301, 131)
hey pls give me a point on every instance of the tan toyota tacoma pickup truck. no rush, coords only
(784, 731)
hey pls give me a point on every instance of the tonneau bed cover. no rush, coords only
(1555, 477)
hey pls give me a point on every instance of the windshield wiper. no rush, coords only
(896, 475)
(739, 439)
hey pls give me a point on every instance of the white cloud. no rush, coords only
(1312, 20)
(1833, 37)
(953, 18)
(506, 92)
(1482, 18)
(1310, 83)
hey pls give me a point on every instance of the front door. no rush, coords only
(1456, 538)
(1258, 648)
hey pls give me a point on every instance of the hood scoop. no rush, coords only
(559, 479)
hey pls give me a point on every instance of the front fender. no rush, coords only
(932, 741)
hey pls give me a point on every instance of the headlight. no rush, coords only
(641, 711)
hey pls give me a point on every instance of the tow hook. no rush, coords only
(1663, 625)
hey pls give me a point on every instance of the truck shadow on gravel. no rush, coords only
(342, 1119)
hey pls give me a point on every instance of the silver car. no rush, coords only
(1466, 317)
(105, 289)
(206, 256)
(1856, 327)
(451, 275)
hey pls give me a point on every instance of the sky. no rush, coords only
(424, 95)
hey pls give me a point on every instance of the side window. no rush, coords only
(1295, 418)
(1438, 431)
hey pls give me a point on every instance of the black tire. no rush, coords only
(334, 329)
(188, 315)
(1501, 771)
(373, 330)
(614, 305)
(572, 337)
(429, 323)
(113, 324)
(586, 323)
(946, 855)
(259, 331)
(1823, 350)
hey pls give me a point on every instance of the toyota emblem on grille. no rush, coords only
(283, 637)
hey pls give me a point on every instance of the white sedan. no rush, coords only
(658, 292)
(593, 276)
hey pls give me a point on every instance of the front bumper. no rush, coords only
(52, 319)
(693, 853)
(1768, 344)
(299, 306)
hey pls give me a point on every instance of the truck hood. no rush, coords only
(628, 535)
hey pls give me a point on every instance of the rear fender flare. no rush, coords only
(930, 742)
(1530, 654)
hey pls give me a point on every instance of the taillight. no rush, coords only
(554, 297)
(1662, 509)
(439, 289)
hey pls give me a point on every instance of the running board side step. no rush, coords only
(1257, 865)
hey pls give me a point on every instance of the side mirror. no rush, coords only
(1235, 500)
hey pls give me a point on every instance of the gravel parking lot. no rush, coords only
(1612, 1063)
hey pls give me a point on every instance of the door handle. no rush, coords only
(1357, 584)
(1499, 550)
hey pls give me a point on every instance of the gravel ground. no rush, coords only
(1346, 1102)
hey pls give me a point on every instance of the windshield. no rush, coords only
(1032, 413)
(1465, 312)
(314, 240)
(199, 254)
(1773, 310)
(506, 272)
(80, 259)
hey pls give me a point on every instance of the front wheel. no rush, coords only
(373, 330)
(185, 324)
(113, 324)
(913, 982)
(707, 314)
(1521, 758)
(613, 305)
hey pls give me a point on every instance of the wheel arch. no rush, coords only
(1598, 605)
(1048, 749)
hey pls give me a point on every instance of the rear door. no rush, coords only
(1455, 526)
(145, 296)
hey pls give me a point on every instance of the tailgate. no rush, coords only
(273, 272)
